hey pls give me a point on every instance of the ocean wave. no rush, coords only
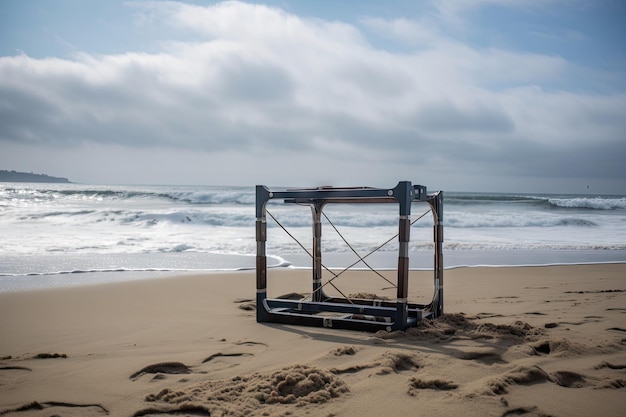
(576, 222)
(244, 196)
(44, 215)
(242, 218)
(583, 202)
(184, 222)
(145, 218)
(479, 198)
(221, 195)
(549, 246)
(507, 220)
(204, 195)
(596, 203)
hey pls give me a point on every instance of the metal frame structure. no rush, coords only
(357, 314)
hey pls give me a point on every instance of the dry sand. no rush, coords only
(529, 341)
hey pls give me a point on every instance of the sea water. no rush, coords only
(68, 234)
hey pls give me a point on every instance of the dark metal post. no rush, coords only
(436, 204)
(262, 195)
(404, 194)
(316, 209)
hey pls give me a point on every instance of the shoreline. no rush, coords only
(110, 268)
(27, 282)
(532, 341)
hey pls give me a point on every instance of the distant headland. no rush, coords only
(14, 176)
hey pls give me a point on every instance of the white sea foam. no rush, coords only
(599, 203)
(180, 223)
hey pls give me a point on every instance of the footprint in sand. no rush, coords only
(523, 375)
(557, 346)
(185, 409)
(617, 329)
(58, 408)
(416, 384)
(162, 368)
(487, 315)
(398, 362)
(614, 383)
(488, 358)
(524, 411)
(519, 376)
(226, 355)
(569, 379)
(241, 349)
(246, 304)
(611, 366)
(177, 368)
(250, 343)
(14, 368)
(50, 356)
(611, 382)
(389, 362)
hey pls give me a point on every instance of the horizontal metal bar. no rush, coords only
(343, 200)
(331, 307)
(346, 322)
(317, 307)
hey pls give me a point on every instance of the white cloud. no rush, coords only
(423, 33)
(260, 82)
(455, 8)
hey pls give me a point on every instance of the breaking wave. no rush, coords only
(89, 219)
(537, 201)
(596, 203)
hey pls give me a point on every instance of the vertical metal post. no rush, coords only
(316, 209)
(403, 193)
(262, 195)
(436, 204)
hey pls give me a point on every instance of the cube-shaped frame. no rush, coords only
(341, 313)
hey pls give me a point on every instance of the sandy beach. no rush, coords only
(531, 341)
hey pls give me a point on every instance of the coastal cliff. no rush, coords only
(14, 176)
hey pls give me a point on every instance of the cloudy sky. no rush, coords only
(464, 95)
